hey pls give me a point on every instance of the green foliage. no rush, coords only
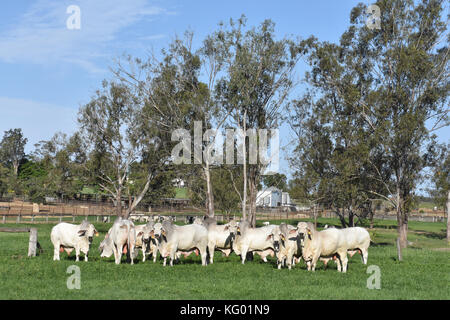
(226, 199)
(362, 123)
(441, 176)
(12, 148)
(278, 180)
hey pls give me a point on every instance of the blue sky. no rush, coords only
(48, 71)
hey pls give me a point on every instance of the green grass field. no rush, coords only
(424, 273)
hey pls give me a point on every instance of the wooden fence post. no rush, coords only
(33, 244)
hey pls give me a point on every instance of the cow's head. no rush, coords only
(105, 248)
(159, 232)
(275, 238)
(146, 233)
(305, 229)
(232, 227)
(87, 230)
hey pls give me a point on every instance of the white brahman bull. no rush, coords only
(286, 245)
(145, 242)
(66, 236)
(329, 243)
(172, 239)
(255, 240)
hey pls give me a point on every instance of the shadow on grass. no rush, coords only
(430, 234)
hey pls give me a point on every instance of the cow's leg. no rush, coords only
(339, 264)
(155, 253)
(56, 251)
(86, 256)
(211, 248)
(144, 248)
(131, 250)
(244, 253)
(365, 255)
(204, 254)
(172, 257)
(77, 253)
(289, 260)
(343, 259)
(308, 265)
(118, 254)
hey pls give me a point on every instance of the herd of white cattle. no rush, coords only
(204, 236)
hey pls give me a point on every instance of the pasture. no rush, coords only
(423, 273)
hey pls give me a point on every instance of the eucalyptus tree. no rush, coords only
(62, 159)
(257, 79)
(395, 79)
(117, 136)
(176, 101)
(12, 148)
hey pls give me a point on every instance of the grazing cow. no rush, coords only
(256, 240)
(66, 236)
(285, 244)
(121, 238)
(328, 243)
(173, 238)
(144, 240)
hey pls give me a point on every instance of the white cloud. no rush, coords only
(38, 121)
(41, 36)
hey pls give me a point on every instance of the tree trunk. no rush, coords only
(448, 220)
(341, 217)
(210, 195)
(253, 193)
(244, 154)
(402, 221)
(119, 203)
(351, 219)
(16, 167)
(371, 218)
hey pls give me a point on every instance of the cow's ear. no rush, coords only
(292, 231)
(269, 237)
(81, 233)
(163, 232)
(140, 234)
(226, 228)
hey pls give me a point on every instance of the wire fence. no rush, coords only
(13, 211)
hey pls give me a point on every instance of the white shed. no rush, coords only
(270, 197)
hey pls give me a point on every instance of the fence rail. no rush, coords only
(22, 212)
